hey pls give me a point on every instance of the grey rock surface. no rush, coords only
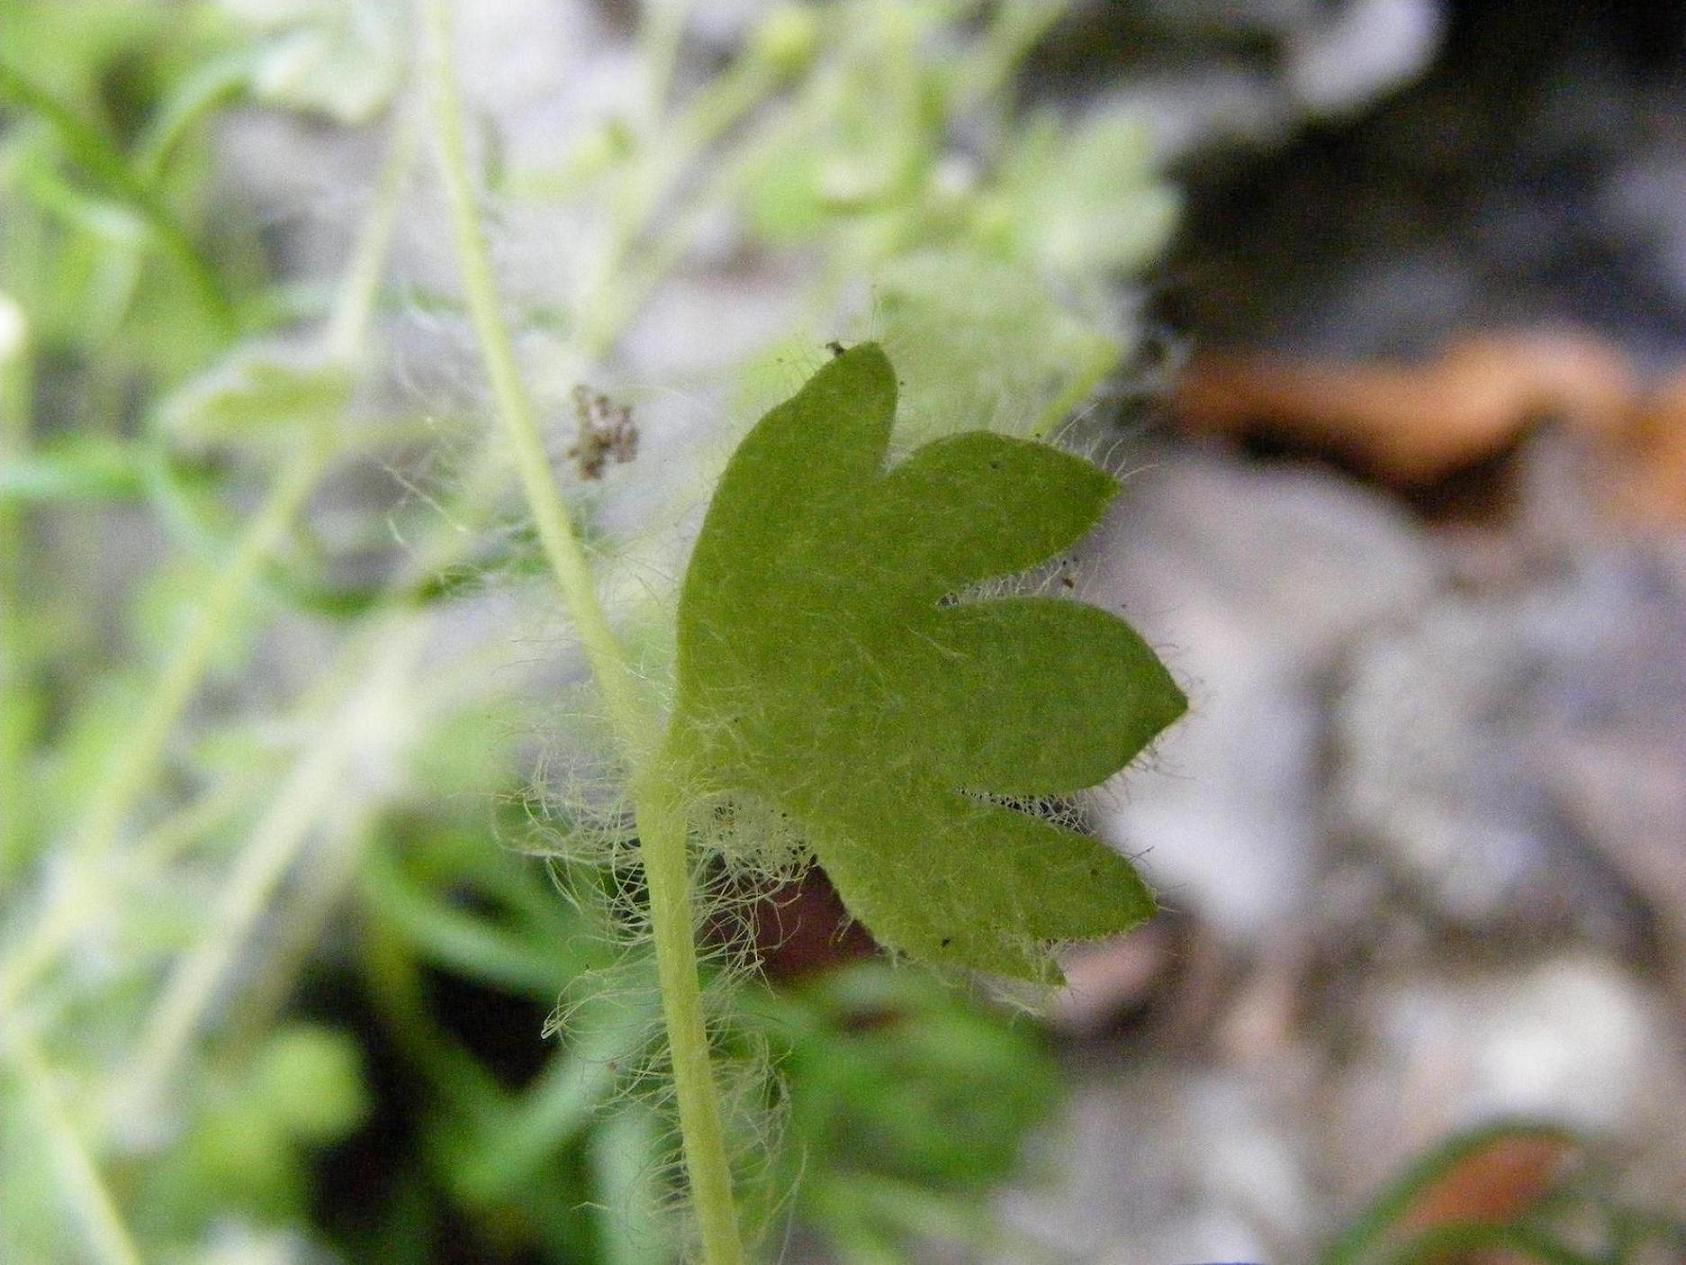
(1573, 1038)
(1452, 739)
(1250, 581)
(1176, 1165)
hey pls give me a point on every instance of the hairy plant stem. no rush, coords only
(628, 712)
(662, 835)
(660, 817)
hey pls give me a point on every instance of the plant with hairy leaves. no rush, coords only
(832, 664)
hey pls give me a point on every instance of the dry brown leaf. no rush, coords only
(1413, 424)
(1494, 1184)
(1644, 463)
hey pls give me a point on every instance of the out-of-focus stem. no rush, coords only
(137, 764)
(15, 412)
(138, 760)
(317, 781)
(108, 1239)
(348, 327)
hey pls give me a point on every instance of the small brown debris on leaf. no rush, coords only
(606, 430)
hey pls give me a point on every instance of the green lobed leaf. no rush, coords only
(832, 665)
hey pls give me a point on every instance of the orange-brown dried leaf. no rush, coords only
(1644, 462)
(1494, 1184)
(1411, 424)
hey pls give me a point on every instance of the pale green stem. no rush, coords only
(348, 327)
(143, 752)
(140, 757)
(662, 834)
(317, 782)
(16, 362)
(379, 710)
(661, 820)
(108, 1239)
(137, 765)
(76, 904)
(661, 31)
(629, 712)
(336, 860)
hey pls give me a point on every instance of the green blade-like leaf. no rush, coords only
(830, 665)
